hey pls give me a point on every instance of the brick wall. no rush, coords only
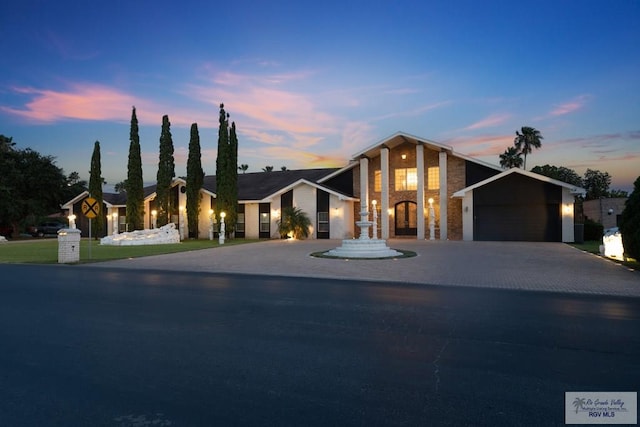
(455, 178)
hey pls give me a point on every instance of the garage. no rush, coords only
(517, 205)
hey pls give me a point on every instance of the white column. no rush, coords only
(420, 195)
(444, 199)
(364, 184)
(384, 195)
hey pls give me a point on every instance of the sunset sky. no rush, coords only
(311, 83)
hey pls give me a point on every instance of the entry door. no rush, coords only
(406, 214)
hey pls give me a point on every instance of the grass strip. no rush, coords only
(45, 251)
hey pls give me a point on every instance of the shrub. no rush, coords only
(592, 230)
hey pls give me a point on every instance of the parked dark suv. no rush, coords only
(46, 228)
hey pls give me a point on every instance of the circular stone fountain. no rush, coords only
(363, 246)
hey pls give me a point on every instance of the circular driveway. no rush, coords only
(508, 265)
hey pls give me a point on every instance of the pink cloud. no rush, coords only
(97, 103)
(493, 120)
(90, 102)
(571, 106)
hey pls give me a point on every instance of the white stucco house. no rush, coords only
(404, 175)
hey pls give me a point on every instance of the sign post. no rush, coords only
(90, 208)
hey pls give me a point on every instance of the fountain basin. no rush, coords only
(363, 248)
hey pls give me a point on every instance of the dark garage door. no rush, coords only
(530, 223)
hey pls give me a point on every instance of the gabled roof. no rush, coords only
(258, 186)
(109, 199)
(572, 188)
(399, 138)
(303, 181)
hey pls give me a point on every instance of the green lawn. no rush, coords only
(593, 246)
(45, 251)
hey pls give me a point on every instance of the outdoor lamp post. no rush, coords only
(154, 218)
(432, 220)
(221, 237)
(114, 216)
(375, 219)
(72, 221)
(181, 222)
(210, 224)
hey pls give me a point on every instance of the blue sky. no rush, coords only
(311, 83)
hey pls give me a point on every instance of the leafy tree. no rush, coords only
(618, 193)
(134, 183)
(166, 173)
(195, 178)
(596, 183)
(267, 169)
(283, 168)
(120, 187)
(6, 144)
(226, 170)
(526, 141)
(294, 221)
(243, 167)
(74, 186)
(511, 158)
(560, 173)
(95, 189)
(630, 223)
(30, 184)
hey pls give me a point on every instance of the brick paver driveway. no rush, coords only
(509, 265)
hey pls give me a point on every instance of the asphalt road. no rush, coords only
(85, 346)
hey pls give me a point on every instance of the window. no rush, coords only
(406, 179)
(264, 222)
(433, 178)
(240, 222)
(377, 181)
(323, 222)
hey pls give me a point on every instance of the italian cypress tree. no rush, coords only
(222, 170)
(195, 178)
(166, 172)
(134, 183)
(95, 189)
(232, 170)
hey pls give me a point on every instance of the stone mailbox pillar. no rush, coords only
(68, 245)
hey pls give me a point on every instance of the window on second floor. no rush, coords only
(406, 179)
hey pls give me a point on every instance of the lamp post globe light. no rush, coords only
(181, 222)
(154, 218)
(72, 221)
(114, 216)
(210, 224)
(375, 219)
(222, 231)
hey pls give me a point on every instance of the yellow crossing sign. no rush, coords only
(90, 207)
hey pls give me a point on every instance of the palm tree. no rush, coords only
(529, 139)
(121, 187)
(243, 167)
(511, 158)
(267, 169)
(294, 222)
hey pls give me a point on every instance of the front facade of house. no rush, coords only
(420, 189)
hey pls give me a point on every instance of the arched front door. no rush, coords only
(406, 214)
